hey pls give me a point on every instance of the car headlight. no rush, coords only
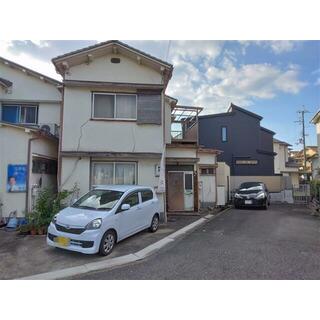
(94, 224)
(237, 195)
(54, 219)
(260, 195)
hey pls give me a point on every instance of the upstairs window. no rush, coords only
(21, 114)
(114, 106)
(224, 136)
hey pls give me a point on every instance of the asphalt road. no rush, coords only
(280, 243)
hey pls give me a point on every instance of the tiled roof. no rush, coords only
(30, 71)
(101, 44)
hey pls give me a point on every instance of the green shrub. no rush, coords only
(315, 189)
(48, 204)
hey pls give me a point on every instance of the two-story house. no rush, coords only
(283, 164)
(117, 125)
(30, 105)
(315, 163)
(247, 146)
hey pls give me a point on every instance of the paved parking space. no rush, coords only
(24, 256)
(282, 242)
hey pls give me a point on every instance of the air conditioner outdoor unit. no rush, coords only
(51, 128)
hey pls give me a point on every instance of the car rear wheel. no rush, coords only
(154, 223)
(108, 242)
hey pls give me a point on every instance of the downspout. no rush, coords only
(164, 147)
(28, 172)
(60, 141)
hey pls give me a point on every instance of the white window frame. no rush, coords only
(115, 105)
(114, 170)
(19, 111)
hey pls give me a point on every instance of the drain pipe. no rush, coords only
(28, 171)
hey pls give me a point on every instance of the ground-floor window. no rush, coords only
(113, 173)
(44, 165)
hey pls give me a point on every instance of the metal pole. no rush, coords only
(304, 142)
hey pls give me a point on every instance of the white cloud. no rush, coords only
(206, 73)
(223, 84)
(281, 46)
(28, 60)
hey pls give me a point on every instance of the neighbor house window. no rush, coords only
(21, 114)
(207, 171)
(113, 173)
(247, 162)
(224, 136)
(114, 106)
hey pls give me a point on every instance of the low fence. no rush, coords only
(302, 194)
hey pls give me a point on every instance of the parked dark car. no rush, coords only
(252, 194)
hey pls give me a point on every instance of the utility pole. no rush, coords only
(302, 122)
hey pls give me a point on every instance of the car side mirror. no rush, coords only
(125, 207)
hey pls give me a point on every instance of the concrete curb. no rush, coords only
(122, 260)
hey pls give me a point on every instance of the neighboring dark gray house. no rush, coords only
(247, 147)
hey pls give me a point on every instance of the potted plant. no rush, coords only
(24, 229)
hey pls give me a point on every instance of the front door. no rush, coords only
(180, 191)
(175, 191)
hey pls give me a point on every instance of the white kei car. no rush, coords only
(103, 217)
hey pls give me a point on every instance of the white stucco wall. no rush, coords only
(78, 172)
(281, 157)
(30, 89)
(112, 136)
(207, 158)
(127, 71)
(181, 152)
(14, 150)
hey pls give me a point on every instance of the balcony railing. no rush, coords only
(184, 124)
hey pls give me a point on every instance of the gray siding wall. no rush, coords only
(244, 141)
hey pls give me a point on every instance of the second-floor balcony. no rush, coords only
(184, 124)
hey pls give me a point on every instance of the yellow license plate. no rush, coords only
(63, 241)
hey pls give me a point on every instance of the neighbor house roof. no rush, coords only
(281, 142)
(234, 107)
(230, 111)
(27, 128)
(29, 72)
(316, 118)
(267, 130)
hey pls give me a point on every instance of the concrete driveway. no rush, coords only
(29, 255)
(280, 243)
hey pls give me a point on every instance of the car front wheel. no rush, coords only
(265, 207)
(154, 223)
(108, 242)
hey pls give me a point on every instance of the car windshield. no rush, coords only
(252, 186)
(98, 200)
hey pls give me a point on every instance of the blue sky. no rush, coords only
(271, 78)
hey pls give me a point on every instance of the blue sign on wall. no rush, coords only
(17, 178)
